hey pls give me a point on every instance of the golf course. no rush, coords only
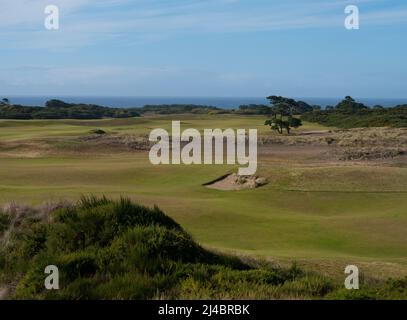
(317, 209)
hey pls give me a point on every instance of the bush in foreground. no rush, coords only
(108, 249)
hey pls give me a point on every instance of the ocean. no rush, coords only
(221, 102)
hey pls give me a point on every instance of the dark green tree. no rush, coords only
(5, 101)
(281, 116)
(349, 105)
(54, 103)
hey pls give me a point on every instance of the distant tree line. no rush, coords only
(296, 107)
(283, 113)
(286, 113)
(351, 114)
(57, 109)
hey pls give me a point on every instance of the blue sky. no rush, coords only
(204, 48)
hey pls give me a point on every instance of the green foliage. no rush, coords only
(95, 222)
(350, 114)
(57, 104)
(282, 112)
(218, 282)
(98, 131)
(392, 289)
(297, 107)
(254, 109)
(295, 122)
(4, 102)
(56, 109)
(107, 249)
(4, 222)
(278, 125)
(98, 245)
(350, 105)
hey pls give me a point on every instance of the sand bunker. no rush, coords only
(236, 182)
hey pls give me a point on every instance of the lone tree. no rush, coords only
(282, 114)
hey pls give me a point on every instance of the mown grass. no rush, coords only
(107, 249)
(20, 129)
(315, 216)
(349, 214)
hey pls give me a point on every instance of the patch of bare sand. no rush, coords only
(235, 182)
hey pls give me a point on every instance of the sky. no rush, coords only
(223, 48)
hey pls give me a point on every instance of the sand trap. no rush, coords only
(236, 182)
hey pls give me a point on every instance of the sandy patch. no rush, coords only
(235, 182)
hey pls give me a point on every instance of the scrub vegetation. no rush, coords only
(334, 197)
(109, 249)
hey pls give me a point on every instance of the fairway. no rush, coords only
(17, 129)
(329, 212)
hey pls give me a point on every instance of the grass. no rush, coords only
(107, 249)
(341, 214)
(318, 219)
(20, 129)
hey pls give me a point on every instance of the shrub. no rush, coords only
(4, 222)
(107, 249)
(98, 131)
